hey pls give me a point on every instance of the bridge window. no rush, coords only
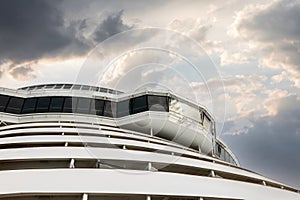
(139, 104)
(56, 104)
(69, 104)
(15, 105)
(97, 107)
(29, 105)
(123, 108)
(43, 104)
(83, 105)
(109, 109)
(3, 102)
(158, 103)
(206, 122)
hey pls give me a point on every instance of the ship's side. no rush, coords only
(68, 142)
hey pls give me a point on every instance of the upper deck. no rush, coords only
(153, 112)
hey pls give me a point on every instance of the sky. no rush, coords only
(240, 59)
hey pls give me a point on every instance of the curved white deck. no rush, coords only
(82, 156)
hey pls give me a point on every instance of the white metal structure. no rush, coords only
(64, 141)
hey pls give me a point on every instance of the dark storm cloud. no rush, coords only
(33, 29)
(112, 25)
(272, 145)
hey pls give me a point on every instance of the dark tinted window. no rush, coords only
(67, 86)
(69, 104)
(56, 104)
(29, 105)
(94, 88)
(123, 108)
(139, 104)
(3, 102)
(158, 103)
(97, 107)
(76, 87)
(43, 104)
(218, 150)
(58, 86)
(83, 105)
(103, 90)
(85, 87)
(15, 105)
(49, 86)
(109, 109)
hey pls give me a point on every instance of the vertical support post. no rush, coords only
(212, 173)
(201, 198)
(98, 164)
(151, 131)
(148, 197)
(72, 163)
(149, 166)
(85, 196)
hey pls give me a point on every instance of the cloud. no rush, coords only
(273, 30)
(198, 29)
(33, 29)
(36, 29)
(236, 58)
(24, 72)
(271, 145)
(110, 26)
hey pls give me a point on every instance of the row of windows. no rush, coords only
(71, 86)
(17, 105)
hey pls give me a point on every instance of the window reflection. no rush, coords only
(158, 103)
(3, 102)
(29, 105)
(15, 105)
(56, 104)
(139, 104)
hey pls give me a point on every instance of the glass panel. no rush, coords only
(31, 87)
(43, 104)
(83, 105)
(15, 105)
(94, 88)
(222, 156)
(123, 108)
(158, 103)
(97, 107)
(110, 109)
(206, 123)
(85, 87)
(103, 90)
(76, 87)
(29, 105)
(68, 86)
(139, 104)
(58, 86)
(49, 86)
(69, 104)
(56, 104)
(218, 150)
(3, 102)
(184, 109)
(40, 86)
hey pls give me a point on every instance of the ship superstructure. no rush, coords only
(70, 141)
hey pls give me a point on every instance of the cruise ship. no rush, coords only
(71, 141)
